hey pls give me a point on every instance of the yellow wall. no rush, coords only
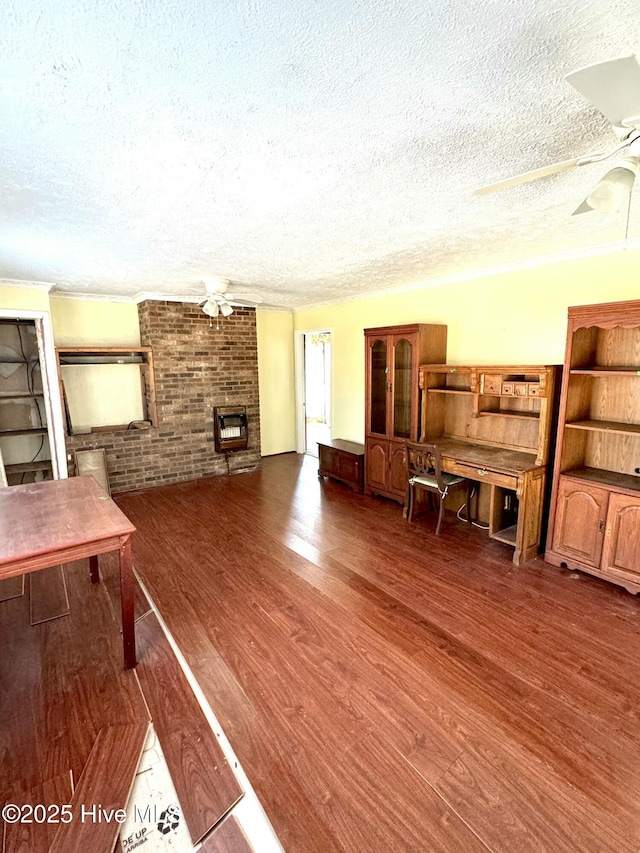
(99, 394)
(276, 374)
(512, 317)
(82, 322)
(24, 298)
(515, 317)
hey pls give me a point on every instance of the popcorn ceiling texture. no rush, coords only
(308, 151)
(196, 367)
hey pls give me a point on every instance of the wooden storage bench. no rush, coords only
(342, 460)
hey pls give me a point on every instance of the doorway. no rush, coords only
(316, 405)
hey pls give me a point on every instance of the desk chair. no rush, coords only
(424, 471)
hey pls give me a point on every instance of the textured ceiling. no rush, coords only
(308, 151)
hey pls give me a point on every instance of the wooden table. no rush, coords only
(57, 521)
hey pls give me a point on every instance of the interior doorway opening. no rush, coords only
(317, 389)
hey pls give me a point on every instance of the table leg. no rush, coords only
(93, 569)
(126, 597)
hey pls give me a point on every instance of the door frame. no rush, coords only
(42, 319)
(298, 362)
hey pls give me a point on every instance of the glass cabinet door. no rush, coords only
(402, 363)
(379, 380)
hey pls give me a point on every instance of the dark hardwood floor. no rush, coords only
(387, 690)
(62, 683)
(72, 718)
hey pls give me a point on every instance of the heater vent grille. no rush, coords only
(230, 430)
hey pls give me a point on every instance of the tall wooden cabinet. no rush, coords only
(595, 505)
(393, 355)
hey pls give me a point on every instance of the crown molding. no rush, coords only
(443, 281)
(499, 269)
(157, 296)
(91, 297)
(278, 309)
(31, 285)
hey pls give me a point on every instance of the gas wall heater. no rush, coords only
(230, 428)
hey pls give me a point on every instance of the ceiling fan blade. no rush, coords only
(247, 300)
(585, 207)
(613, 86)
(530, 176)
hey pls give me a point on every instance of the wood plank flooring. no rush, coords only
(228, 837)
(386, 689)
(60, 683)
(205, 783)
(68, 708)
(105, 785)
(48, 595)
(11, 587)
(35, 835)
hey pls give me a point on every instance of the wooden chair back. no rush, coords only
(424, 460)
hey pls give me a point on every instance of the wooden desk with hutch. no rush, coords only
(493, 425)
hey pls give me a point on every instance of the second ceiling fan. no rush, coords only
(613, 87)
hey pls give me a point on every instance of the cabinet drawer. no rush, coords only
(520, 389)
(483, 475)
(507, 389)
(534, 390)
(491, 383)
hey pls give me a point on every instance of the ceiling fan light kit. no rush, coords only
(613, 87)
(612, 192)
(219, 301)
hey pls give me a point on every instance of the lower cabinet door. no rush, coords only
(377, 464)
(581, 513)
(621, 553)
(397, 470)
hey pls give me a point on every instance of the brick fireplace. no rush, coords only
(197, 367)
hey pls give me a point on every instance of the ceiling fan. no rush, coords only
(613, 87)
(219, 301)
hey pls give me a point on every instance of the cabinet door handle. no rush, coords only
(601, 525)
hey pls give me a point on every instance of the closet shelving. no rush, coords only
(24, 431)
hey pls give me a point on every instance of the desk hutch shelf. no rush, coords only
(595, 505)
(493, 425)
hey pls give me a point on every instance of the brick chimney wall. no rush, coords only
(197, 366)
